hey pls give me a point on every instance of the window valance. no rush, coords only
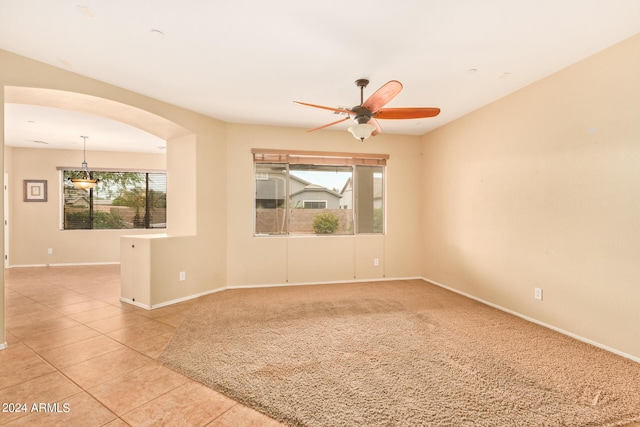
(261, 155)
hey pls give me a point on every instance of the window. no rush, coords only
(314, 204)
(369, 199)
(119, 200)
(294, 191)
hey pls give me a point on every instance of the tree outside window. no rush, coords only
(120, 200)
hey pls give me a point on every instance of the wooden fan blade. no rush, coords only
(383, 95)
(406, 113)
(329, 124)
(338, 110)
(378, 129)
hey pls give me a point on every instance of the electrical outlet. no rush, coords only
(183, 276)
(538, 294)
(376, 262)
(50, 251)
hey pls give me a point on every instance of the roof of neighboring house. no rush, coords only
(377, 189)
(76, 200)
(309, 186)
(346, 185)
(316, 187)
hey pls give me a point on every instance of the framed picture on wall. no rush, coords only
(35, 190)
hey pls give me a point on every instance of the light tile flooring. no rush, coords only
(74, 344)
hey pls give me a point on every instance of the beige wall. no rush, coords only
(152, 279)
(35, 227)
(537, 189)
(310, 259)
(542, 189)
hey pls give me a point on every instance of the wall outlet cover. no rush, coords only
(538, 294)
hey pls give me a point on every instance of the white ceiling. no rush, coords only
(245, 61)
(47, 127)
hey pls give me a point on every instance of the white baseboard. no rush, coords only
(74, 264)
(538, 322)
(187, 298)
(3, 345)
(171, 302)
(270, 285)
(135, 303)
(336, 282)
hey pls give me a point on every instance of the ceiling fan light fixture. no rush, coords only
(361, 131)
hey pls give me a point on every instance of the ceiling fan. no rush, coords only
(366, 114)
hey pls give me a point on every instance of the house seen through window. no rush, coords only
(301, 193)
(120, 200)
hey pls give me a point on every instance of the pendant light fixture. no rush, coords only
(84, 183)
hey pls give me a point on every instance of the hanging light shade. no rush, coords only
(361, 131)
(84, 183)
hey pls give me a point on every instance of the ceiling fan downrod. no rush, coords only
(362, 83)
(362, 115)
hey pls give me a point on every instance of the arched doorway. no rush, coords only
(60, 117)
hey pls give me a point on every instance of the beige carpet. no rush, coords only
(403, 353)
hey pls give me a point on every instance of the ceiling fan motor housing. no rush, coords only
(362, 115)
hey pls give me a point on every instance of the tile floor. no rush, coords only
(74, 344)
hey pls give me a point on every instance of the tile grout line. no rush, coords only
(171, 319)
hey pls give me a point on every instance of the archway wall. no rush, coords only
(34, 229)
(204, 138)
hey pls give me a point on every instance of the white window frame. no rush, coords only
(291, 157)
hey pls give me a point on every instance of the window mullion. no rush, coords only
(287, 198)
(354, 196)
(146, 201)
